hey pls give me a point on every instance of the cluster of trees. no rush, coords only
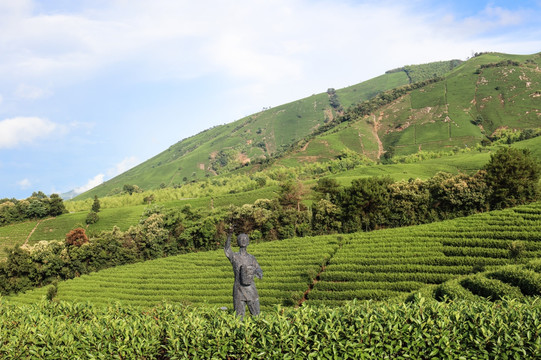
(333, 99)
(509, 179)
(509, 136)
(37, 206)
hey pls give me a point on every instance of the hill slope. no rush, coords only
(259, 136)
(486, 93)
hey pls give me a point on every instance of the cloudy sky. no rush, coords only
(91, 88)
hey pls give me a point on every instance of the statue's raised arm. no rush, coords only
(227, 248)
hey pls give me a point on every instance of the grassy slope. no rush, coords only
(375, 265)
(432, 118)
(257, 136)
(439, 115)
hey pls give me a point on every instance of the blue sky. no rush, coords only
(89, 89)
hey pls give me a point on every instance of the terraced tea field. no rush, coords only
(201, 278)
(334, 268)
(10, 235)
(393, 262)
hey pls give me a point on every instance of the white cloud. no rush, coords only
(123, 166)
(119, 168)
(30, 92)
(24, 130)
(95, 181)
(24, 184)
(263, 42)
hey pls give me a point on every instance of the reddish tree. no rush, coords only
(76, 237)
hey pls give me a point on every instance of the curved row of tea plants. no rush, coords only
(511, 281)
(362, 330)
(394, 262)
(199, 278)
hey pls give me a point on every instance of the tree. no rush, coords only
(326, 188)
(291, 193)
(366, 204)
(36, 209)
(148, 199)
(513, 175)
(458, 195)
(92, 218)
(56, 205)
(76, 237)
(130, 189)
(96, 204)
(326, 217)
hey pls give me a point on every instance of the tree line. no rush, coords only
(37, 206)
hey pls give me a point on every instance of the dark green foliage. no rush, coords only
(490, 288)
(56, 205)
(130, 189)
(148, 199)
(326, 217)
(38, 206)
(458, 195)
(504, 63)
(333, 99)
(513, 175)
(96, 204)
(92, 218)
(363, 330)
(327, 188)
(510, 136)
(52, 291)
(528, 281)
(365, 204)
(290, 194)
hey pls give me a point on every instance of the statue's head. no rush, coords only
(243, 240)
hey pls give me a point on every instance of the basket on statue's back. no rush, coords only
(247, 273)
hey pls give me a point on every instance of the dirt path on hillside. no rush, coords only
(315, 280)
(34, 229)
(375, 129)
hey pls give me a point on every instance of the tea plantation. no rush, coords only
(487, 264)
(331, 269)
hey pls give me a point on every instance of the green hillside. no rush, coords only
(334, 269)
(256, 137)
(486, 93)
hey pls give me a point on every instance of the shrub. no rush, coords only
(528, 281)
(452, 290)
(490, 288)
(51, 291)
(516, 249)
(92, 218)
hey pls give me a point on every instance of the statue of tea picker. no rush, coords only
(245, 267)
